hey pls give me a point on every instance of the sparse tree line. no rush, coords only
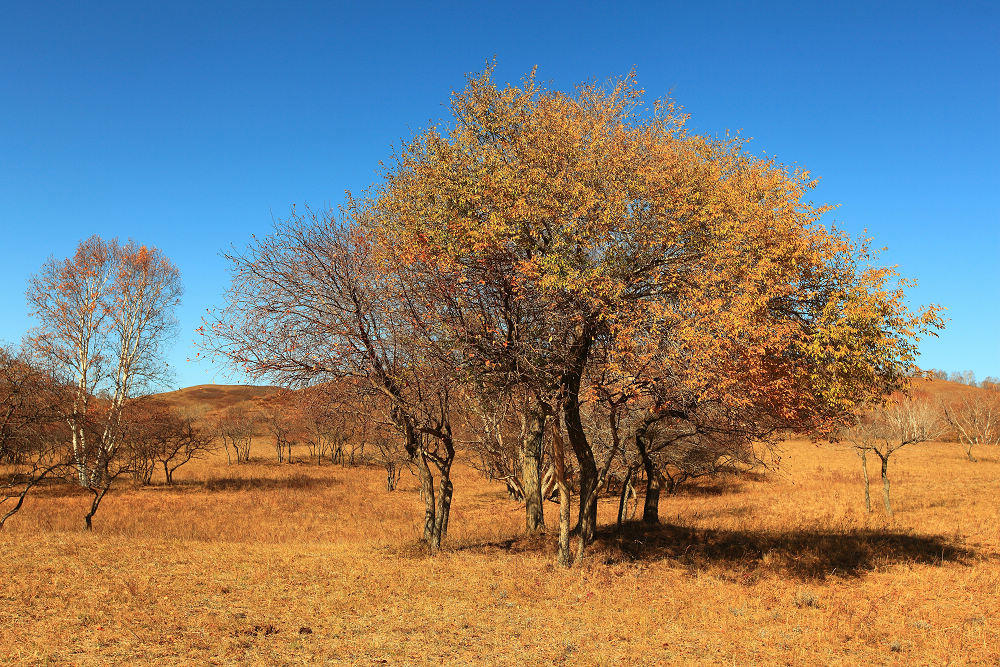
(882, 430)
(967, 378)
(327, 421)
(39, 411)
(571, 290)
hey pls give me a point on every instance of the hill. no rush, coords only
(943, 389)
(214, 397)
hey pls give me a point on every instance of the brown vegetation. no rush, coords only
(231, 563)
(212, 398)
(557, 291)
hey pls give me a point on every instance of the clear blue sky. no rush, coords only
(188, 125)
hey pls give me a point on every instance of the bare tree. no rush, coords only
(333, 419)
(158, 435)
(315, 303)
(185, 440)
(143, 424)
(279, 415)
(975, 419)
(392, 456)
(236, 427)
(861, 435)
(886, 429)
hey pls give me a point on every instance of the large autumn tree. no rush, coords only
(585, 260)
(555, 228)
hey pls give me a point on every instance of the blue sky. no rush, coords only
(188, 125)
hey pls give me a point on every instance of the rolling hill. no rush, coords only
(214, 397)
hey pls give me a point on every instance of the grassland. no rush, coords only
(267, 563)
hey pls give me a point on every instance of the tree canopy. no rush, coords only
(556, 250)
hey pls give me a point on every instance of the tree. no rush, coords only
(31, 428)
(547, 250)
(313, 303)
(885, 429)
(975, 419)
(556, 236)
(184, 439)
(103, 315)
(236, 427)
(392, 457)
(144, 423)
(336, 420)
(278, 412)
(497, 443)
(160, 436)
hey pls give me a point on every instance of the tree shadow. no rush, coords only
(60, 487)
(234, 483)
(728, 481)
(745, 556)
(50, 487)
(708, 489)
(803, 554)
(298, 481)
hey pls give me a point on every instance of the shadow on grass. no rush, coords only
(297, 481)
(745, 556)
(63, 488)
(728, 481)
(807, 554)
(51, 487)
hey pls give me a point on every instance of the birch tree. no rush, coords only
(104, 316)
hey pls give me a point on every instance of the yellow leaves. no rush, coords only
(586, 201)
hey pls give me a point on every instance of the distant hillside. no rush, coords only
(942, 389)
(214, 397)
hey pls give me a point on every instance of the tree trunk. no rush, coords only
(577, 436)
(624, 494)
(391, 476)
(98, 497)
(654, 482)
(533, 430)
(864, 469)
(587, 521)
(651, 503)
(559, 463)
(549, 482)
(885, 483)
(427, 493)
(443, 511)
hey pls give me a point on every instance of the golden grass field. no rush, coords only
(274, 564)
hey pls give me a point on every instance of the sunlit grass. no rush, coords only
(277, 563)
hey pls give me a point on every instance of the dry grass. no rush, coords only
(215, 397)
(264, 563)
